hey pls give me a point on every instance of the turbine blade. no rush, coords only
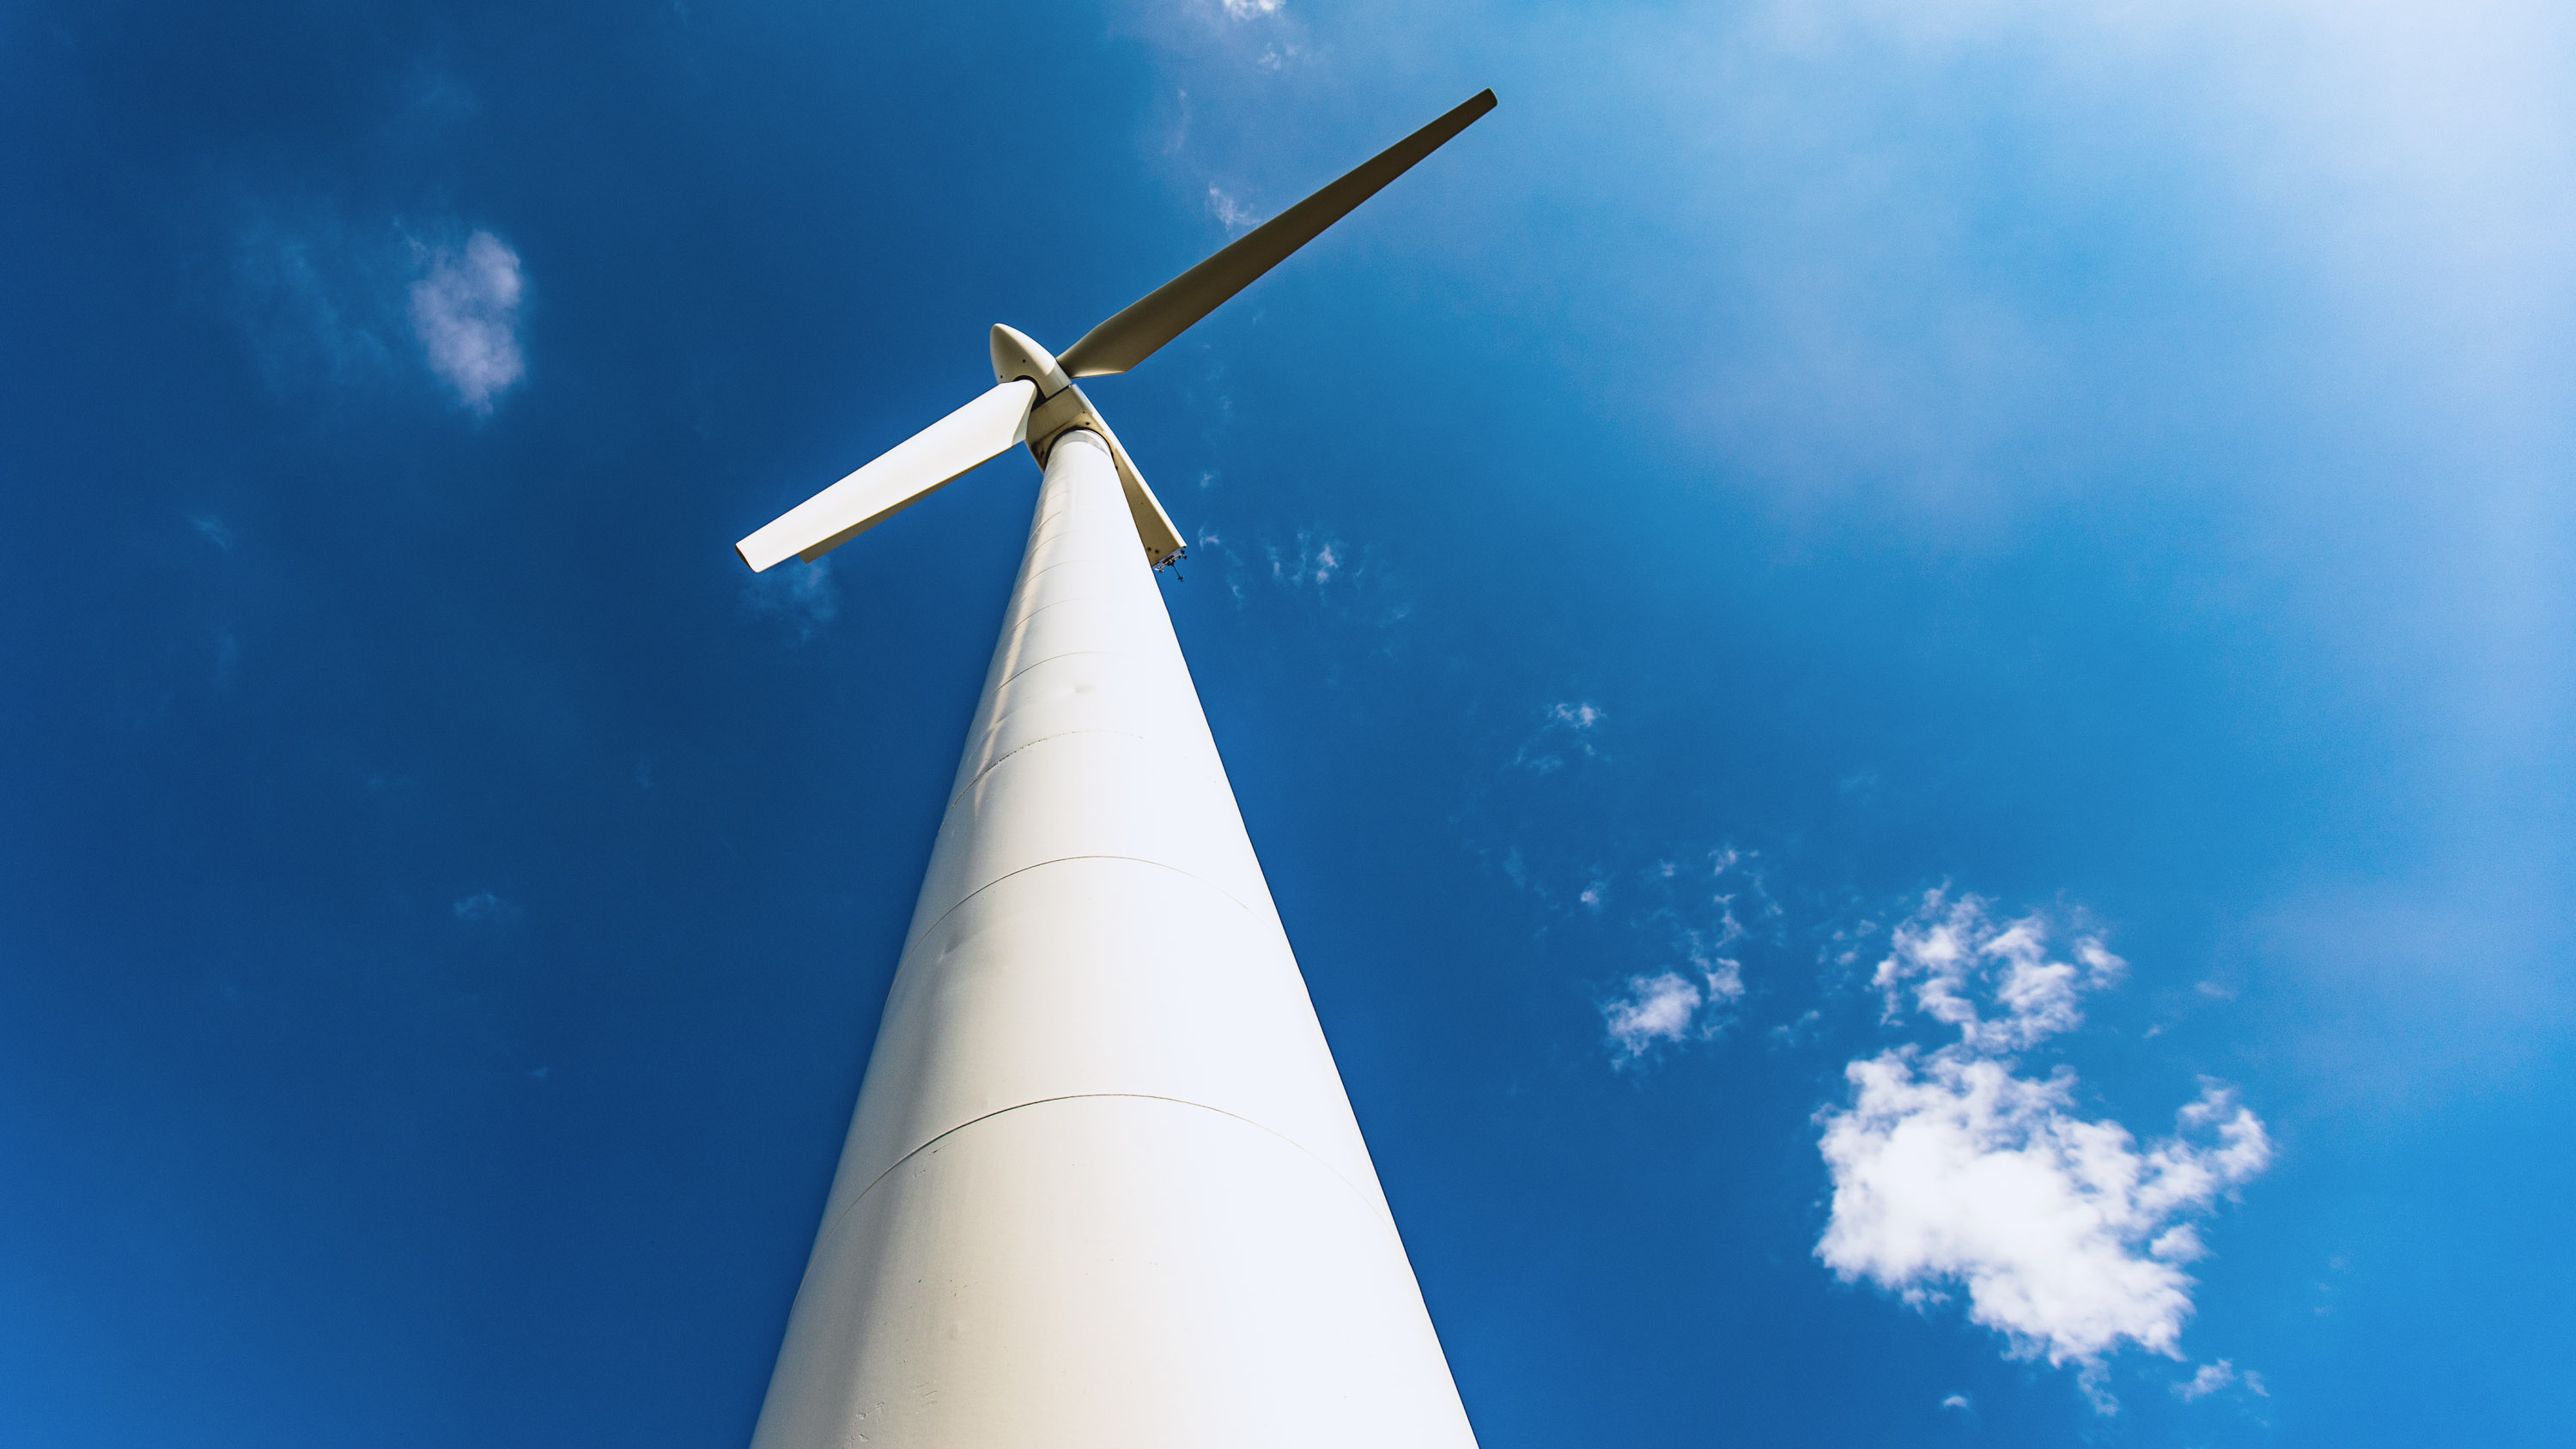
(904, 475)
(1132, 336)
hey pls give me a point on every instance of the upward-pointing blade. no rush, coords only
(1132, 336)
(901, 477)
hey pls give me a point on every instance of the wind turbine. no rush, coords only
(1103, 1186)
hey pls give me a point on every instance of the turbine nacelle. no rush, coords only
(1062, 407)
(1017, 354)
(1034, 400)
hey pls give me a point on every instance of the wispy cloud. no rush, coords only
(325, 301)
(1317, 559)
(465, 311)
(1351, 582)
(1233, 215)
(1565, 728)
(1953, 1171)
(1694, 915)
(1951, 951)
(483, 908)
(801, 596)
(310, 293)
(213, 530)
(2212, 1377)
(1792, 1034)
(1666, 1008)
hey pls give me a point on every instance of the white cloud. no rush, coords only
(1668, 1008)
(1954, 1171)
(465, 311)
(2212, 1377)
(1800, 1032)
(2069, 1240)
(483, 908)
(1318, 560)
(1657, 1009)
(801, 595)
(1251, 9)
(1566, 728)
(2245, 1150)
(1949, 949)
(1350, 582)
(1691, 920)
(1232, 214)
(1724, 974)
(1956, 1401)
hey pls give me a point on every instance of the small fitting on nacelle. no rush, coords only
(1016, 354)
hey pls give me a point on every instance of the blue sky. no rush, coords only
(1903, 669)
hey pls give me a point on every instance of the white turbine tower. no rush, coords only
(1103, 1187)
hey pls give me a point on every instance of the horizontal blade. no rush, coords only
(1132, 336)
(905, 475)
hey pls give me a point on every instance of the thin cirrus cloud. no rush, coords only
(1954, 1172)
(465, 311)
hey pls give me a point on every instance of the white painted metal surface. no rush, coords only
(1069, 409)
(1017, 354)
(1103, 1187)
(904, 475)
